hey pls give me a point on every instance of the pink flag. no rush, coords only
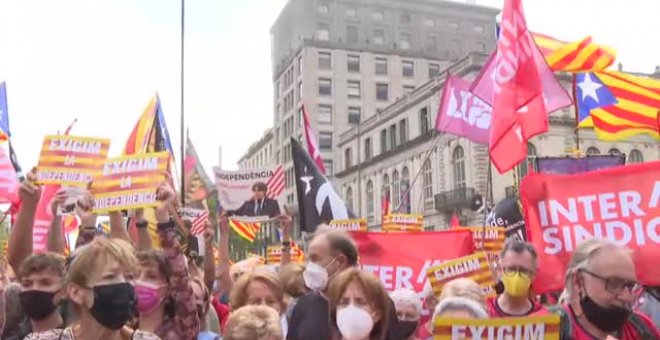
(8, 179)
(42, 218)
(463, 114)
(520, 87)
(312, 142)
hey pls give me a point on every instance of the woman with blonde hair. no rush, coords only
(359, 306)
(259, 287)
(254, 323)
(99, 285)
(463, 287)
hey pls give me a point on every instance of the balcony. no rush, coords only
(449, 201)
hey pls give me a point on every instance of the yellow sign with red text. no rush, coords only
(473, 267)
(349, 225)
(403, 222)
(274, 254)
(488, 239)
(71, 161)
(544, 327)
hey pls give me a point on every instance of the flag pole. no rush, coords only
(182, 126)
(576, 130)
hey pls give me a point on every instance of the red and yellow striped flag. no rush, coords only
(636, 110)
(579, 56)
(274, 254)
(245, 230)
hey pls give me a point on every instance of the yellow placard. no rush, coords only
(129, 182)
(70, 160)
(473, 267)
(274, 254)
(488, 239)
(403, 222)
(544, 327)
(349, 225)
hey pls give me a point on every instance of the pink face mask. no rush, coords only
(148, 296)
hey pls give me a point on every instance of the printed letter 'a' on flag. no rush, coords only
(318, 202)
(521, 88)
(312, 142)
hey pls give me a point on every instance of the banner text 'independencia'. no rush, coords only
(244, 176)
(125, 199)
(63, 176)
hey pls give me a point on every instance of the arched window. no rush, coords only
(405, 191)
(458, 167)
(523, 168)
(386, 186)
(349, 199)
(614, 152)
(370, 201)
(427, 180)
(635, 156)
(396, 190)
(593, 151)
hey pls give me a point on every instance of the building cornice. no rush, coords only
(252, 150)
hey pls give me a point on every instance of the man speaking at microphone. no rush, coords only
(259, 205)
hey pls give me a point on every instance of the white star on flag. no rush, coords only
(589, 87)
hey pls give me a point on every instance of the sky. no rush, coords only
(101, 61)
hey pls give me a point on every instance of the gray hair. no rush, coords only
(406, 297)
(460, 304)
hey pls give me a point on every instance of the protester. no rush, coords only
(459, 308)
(359, 306)
(260, 287)
(408, 310)
(293, 283)
(254, 322)
(517, 269)
(463, 287)
(430, 302)
(103, 297)
(259, 205)
(602, 288)
(209, 323)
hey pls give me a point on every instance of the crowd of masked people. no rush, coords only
(109, 287)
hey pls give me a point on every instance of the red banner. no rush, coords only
(621, 204)
(401, 260)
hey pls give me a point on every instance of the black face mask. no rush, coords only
(407, 328)
(37, 304)
(114, 304)
(607, 319)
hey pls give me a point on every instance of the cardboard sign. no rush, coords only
(235, 187)
(349, 225)
(129, 182)
(401, 260)
(620, 204)
(403, 222)
(69, 160)
(274, 254)
(488, 239)
(473, 267)
(544, 327)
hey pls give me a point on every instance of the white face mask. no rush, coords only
(315, 277)
(354, 323)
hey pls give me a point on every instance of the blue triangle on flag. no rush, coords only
(591, 94)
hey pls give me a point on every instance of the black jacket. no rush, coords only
(268, 207)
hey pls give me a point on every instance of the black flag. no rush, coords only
(14, 162)
(507, 213)
(318, 202)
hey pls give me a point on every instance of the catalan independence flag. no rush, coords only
(247, 231)
(4, 115)
(618, 105)
(579, 56)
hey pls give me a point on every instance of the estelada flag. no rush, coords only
(620, 204)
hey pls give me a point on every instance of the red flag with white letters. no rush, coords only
(312, 142)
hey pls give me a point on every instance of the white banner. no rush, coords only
(235, 187)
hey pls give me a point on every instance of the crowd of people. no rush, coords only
(112, 287)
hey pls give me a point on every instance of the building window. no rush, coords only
(379, 36)
(353, 64)
(348, 158)
(408, 89)
(352, 34)
(523, 167)
(323, 32)
(406, 40)
(382, 92)
(381, 66)
(325, 113)
(387, 190)
(299, 93)
(396, 191)
(354, 114)
(635, 156)
(405, 191)
(393, 136)
(300, 65)
(368, 151)
(325, 60)
(325, 141)
(354, 89)
(403, 131)
(478, 29)
(329, 170)
(434, 70)
(614, 152)
(349, 199)
(424, 120)
(593, 151)
(405, 18)
(370, 201)
(458, 167)
(481, 46)
(377, 15)
(351, 12)
(427, 180)
(383, 141)
(325, 87)
(408, 68)
(324, 8)
(431, 43)
(429, 22)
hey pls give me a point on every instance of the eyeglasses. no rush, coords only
(615, 285)
(513, 270)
